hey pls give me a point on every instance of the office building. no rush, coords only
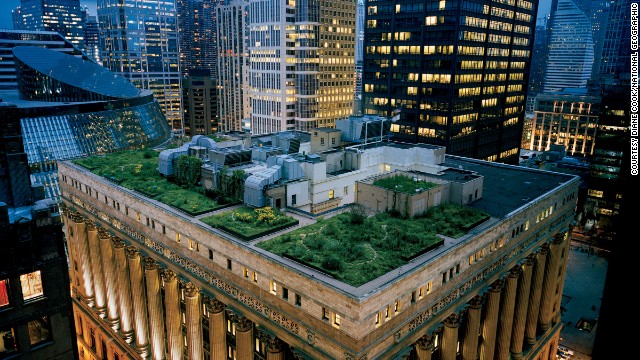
(233, 65)
(196, 28)
(200, 103)
(198, 53)
(157, 282)
(567, 120)
(45, 39)
(92, 38)
(92, 111)
(570, 54)
(609, 164)
(36, 319)
(538, 63)
(139, 41)
(302, 63)
(357, 93)
(63, 16)
(456, 71)
(616, 59)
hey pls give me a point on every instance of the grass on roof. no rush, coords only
(217, 138)
(138, 170)
(404, 184)
(249, 223)
(357, 253)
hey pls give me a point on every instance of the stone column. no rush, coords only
(550, 282)
(172, 307)
(217, 330)
(109, 267)
(83, 259)
(99, 289)
(139, 300)
(472, 329)
(275, 348)
(449, 348)
(123, 290)
(490, 321)
(536, 292)
(520, 311)
(194, 322)
(154, 306)
(505, 319)
(244, 339)
(424, 347)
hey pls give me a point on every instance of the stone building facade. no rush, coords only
(151, 282)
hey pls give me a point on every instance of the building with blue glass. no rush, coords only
(69, 108)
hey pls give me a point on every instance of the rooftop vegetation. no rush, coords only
(404, 184)
(248, 223)
(138, 170)
(217, 138)
(357, 249)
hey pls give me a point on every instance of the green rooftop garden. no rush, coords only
(138, 170)
(357, 249)
(248, 223)
(217, 138)
(404, 184)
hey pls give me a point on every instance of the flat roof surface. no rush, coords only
(508, 187)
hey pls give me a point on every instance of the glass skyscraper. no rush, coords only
(455, 71)
(570, 56)
(233, 64)
(63, 16)
(139, 40)
(302, 63)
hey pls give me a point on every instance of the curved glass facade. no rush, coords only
(61, 137)
(49, 75)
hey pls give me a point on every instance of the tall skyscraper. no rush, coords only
(302, 63)
(196, 27)
(139, 40)
(200, 103)
(63, 16)
(570, 54)
(456, 71)
(233, 64)
(616, 58)
(357, 93)
(92, 38)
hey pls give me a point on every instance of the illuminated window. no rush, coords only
(177, 237)
(325, 313)
(396, 307)
(39, 330)
(274, 287)
(4, 292)
(331, 194)
(246, 272)
(336, 320)
(255, 277)
(31, 285)
(377, 319)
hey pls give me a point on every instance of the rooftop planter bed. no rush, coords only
(248, 223)
(357, 250)
(138, 170)
(404, 184)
